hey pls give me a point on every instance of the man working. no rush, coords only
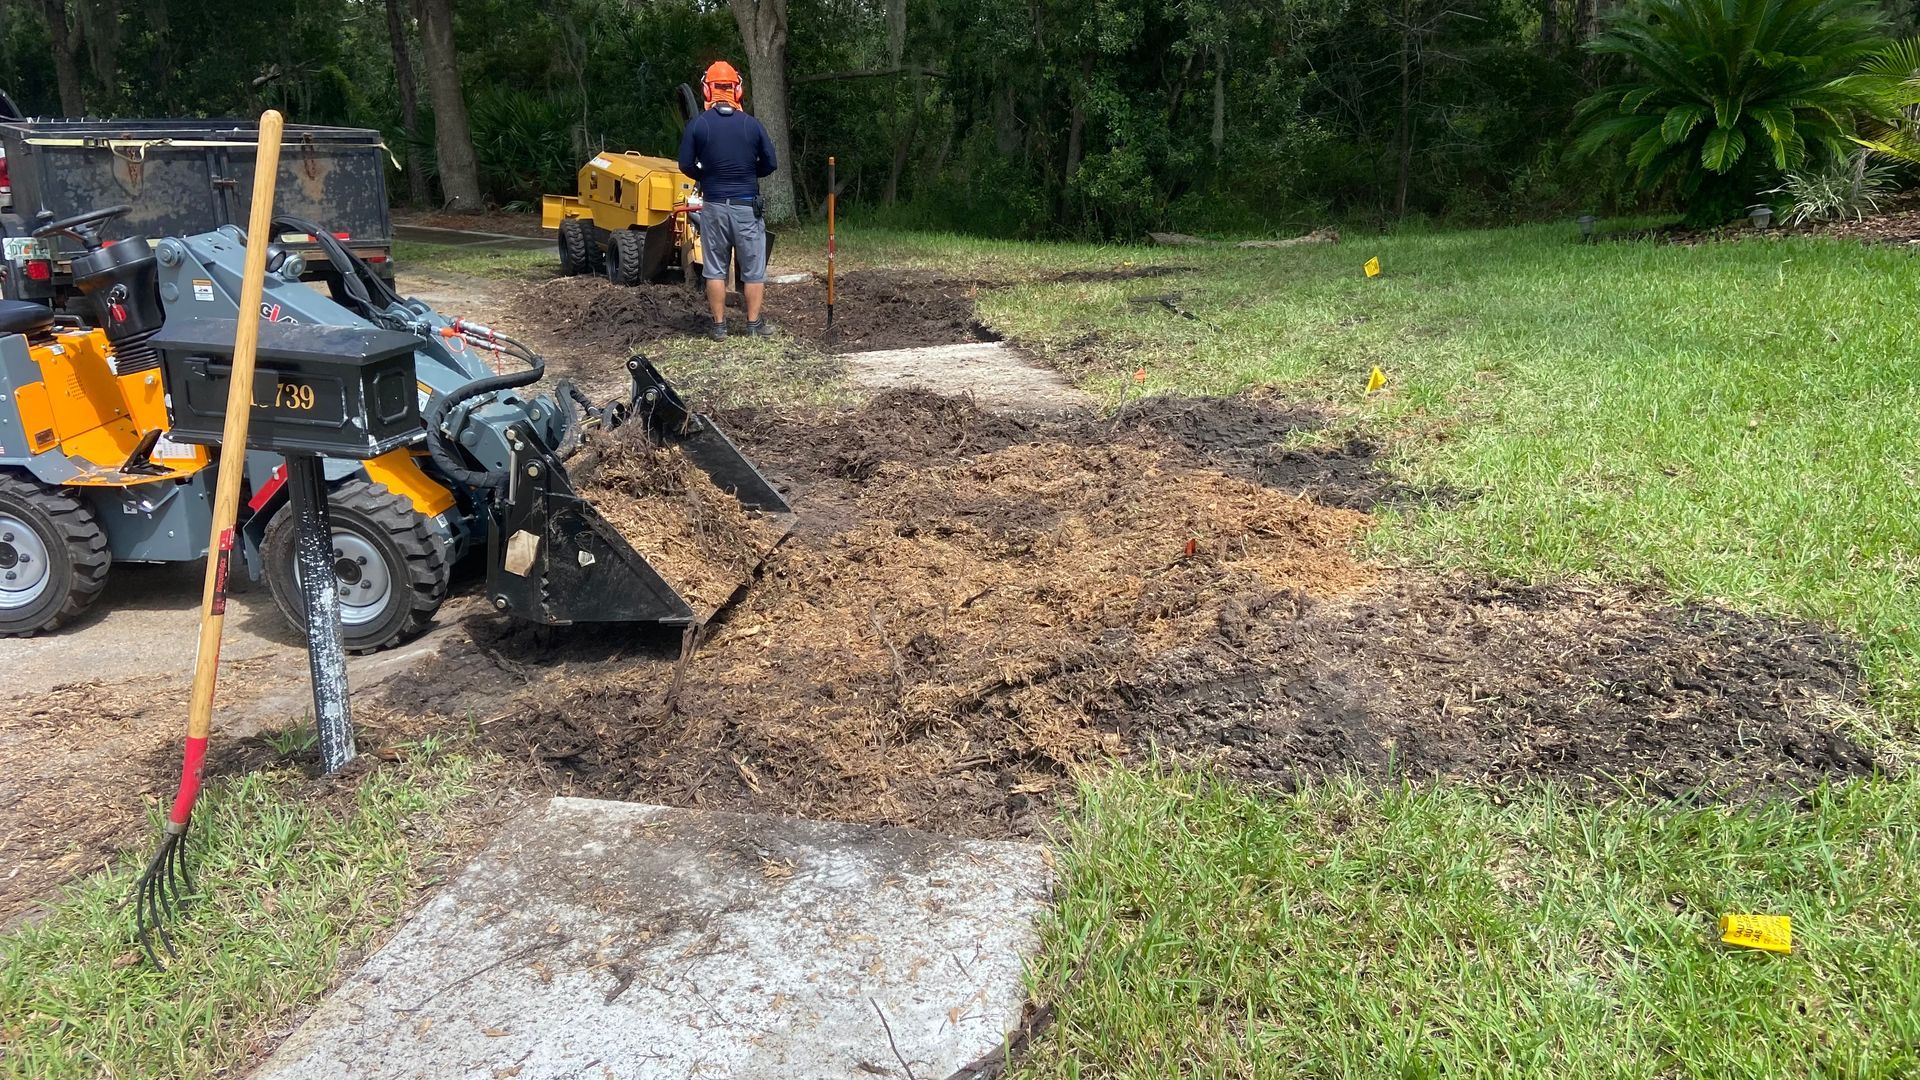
(727, 152)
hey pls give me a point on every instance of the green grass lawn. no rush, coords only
(1738, 422)
(291, 881)
(1352, 932)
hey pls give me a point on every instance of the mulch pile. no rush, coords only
(696, 536)
(973, 607)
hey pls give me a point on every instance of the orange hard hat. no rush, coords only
(722, 83)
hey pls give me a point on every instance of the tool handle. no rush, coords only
(832, 199)
(233, 436)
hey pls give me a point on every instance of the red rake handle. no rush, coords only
(190, 779)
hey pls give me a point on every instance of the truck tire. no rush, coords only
(627, 257)
(393, 571)
(53, 556)
(576, 248)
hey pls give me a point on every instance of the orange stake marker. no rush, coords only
(833, 198)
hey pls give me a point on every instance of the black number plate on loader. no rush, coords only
(340, 391)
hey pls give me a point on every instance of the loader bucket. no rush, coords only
(656, 403)
(552, 558)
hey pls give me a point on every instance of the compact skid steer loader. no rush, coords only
(89, 476)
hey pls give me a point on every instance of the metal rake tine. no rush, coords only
(149, 923)
(177, 869)
(151, 903)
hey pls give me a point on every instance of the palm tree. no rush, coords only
(1724, 96)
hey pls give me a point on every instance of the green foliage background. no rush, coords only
(1029, 118)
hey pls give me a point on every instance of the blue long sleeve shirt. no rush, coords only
(728, 152)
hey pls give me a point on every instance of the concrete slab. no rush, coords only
(611, 939)
(997, 375)
(146, 626)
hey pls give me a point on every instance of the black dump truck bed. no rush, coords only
(191, 176)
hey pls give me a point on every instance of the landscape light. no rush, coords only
(1760, 214)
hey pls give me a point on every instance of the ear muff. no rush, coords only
(721, 84)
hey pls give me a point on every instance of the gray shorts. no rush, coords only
(727, 233)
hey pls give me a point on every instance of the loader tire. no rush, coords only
(53, 556)
(576, 248)
(627, 257)
(393, 571)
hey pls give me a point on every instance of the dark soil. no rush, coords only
(892, 310)
(1241, 436)
(876, 310)
(973, 607)
(1119, 273)
(1246, 436)
(1607, 690)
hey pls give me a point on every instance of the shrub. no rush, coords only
(1722, 97)
(1853, 189)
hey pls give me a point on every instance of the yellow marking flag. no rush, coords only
(1376, 381)
(1774, 933)
(1373, 267)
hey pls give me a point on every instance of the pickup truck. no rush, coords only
(180, 177)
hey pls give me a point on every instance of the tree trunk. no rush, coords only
(1219, 105)
(100, 22)
(1006, 122)
(763, 27)
(903, 149)
(1077, 126)
(452, 135)
(1403, 134)
(896, 30)
(1549, 23)
(161, 28)
(66, 58)
(418, 190)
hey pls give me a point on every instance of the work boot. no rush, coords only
(717, 331)
(759, 328)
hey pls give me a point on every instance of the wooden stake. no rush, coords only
(832, 201)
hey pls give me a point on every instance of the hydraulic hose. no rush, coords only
(444, 454)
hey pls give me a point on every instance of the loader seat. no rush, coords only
(21, 317)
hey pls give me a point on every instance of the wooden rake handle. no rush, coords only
(233, 462)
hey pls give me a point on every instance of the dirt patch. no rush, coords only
(1250, 436)
(976, 606)
(592, 314)
(905, 427)
(1118, 273)
(1900, 224)
(875, 310)
(697, 537)
(69, 810)
(1604, 689)
(872, 310)
(950, 645)
(1247, 437)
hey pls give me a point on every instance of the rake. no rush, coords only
(166, 885)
